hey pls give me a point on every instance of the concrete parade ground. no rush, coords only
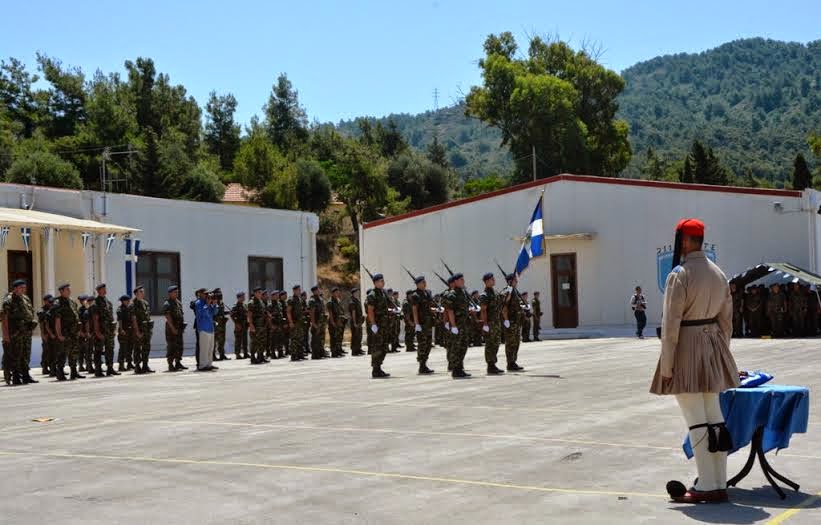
(576, 439)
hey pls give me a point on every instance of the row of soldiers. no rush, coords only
(778, 311)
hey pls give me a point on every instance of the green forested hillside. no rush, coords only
(754, 101)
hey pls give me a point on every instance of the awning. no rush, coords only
(570, 237)
(39, 219)
(779, 272)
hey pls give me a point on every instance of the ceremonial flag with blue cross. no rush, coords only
(533, 243)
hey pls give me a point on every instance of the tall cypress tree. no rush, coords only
(801, 176)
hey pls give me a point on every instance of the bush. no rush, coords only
(44, 169)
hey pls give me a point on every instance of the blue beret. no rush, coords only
(18, 282)
(99, 286)
(125, 297)
(314, 288)
(458, 276)
(48, 297)
(63, 286)
(173, 288)
(138, 288)
(488, 276)
(240, 294)
(257, 289)
(450, 280)
(389, 290)
(378, 277)
(296, 287)
(419, 279)
(510, 276)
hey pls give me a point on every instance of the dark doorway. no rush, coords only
(565, 296)
(20, 268)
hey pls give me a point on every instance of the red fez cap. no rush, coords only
(690, 227)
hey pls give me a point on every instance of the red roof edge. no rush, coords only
(589, 179)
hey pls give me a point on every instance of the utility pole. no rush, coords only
(436, 99)
(105, 182)
(533, 149)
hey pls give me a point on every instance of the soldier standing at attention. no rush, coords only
(695, 363)
(296, 324)
(458, 317)
(174, 327)
(777, 310)
(491, 318)
(536, 309)
(798, 310)
(103, 331)
(257, 327)
(18, 323)
(813, 307)
(336, 322)
(220, 326)
(285, 335)
(141, 328)
(274, 329)
(319, 320)
(66, 329)
(378, 304)
(407, 316)
(511, 314)
(356, 319)
(753, 311)
(239, 314)
(475, 325)
(124, 355)
(306, 324)
(738, 310)
(397, 321)
(422, 305)
(85, 354)
(46, 335)
(526, 318)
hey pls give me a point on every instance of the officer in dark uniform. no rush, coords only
(239, 314)
(125, 355)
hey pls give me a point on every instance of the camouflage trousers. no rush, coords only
(356, 337)
(14, 354)
(85, 353)
(296, 342)
(46, 357)
(104, 348)
(335, 334)
(526, 329)
(259, 343)
(493, 339)
(424, 340)
(125, 353)
(458, 348)
(410, 336)
(142, 347)
(173, 346)
(67, 350)
(513, 337)
(318, 340)
(219, 341)
(378, 345)
(241, 342)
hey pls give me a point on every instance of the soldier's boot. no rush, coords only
(110, 371)
(378, 373)
(129, 365)
(138, 369)
(459, 373)
(179, 366)
(513, 367)
(83, 367)
(171, 367)
(493, 370)
(76, 375)
(27, 377)
(146, 369)
(121, 366)
(16, 379)
(424, 370)
(45, 370)
(7, 376)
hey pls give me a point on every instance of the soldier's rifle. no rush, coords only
(446, 267)
(409, 274)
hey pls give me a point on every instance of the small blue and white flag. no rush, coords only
(25, 233)
(533, 243)
(4, 233)
(85, 236)
(109, 241)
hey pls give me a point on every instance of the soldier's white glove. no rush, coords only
(486, 329)
(447, 326)
(374, 328)
(507, 323)
(418, 328)
(454, 331)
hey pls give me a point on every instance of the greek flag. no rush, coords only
(533, 243)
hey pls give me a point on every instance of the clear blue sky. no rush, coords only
(364, 57)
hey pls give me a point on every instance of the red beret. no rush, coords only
(691, 227)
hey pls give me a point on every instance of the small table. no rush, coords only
(766, 416)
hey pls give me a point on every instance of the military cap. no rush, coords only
(419, 279)
(63, 286)
(173, 288)
(240, 294)
(314, 288)
(334, 289)
(296, 287)
(510, 276)
(125, 297)
(458, 276)
(450, 280)
(257, 289)
(18, 282)
(389, 290)
(138, 288)
(200, 290)
(378, 277)
(82, 297)
(217, 290)
(99, 286)
(488, 276)
(48, 297)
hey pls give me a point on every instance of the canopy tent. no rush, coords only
(778, 272)
(39, 219)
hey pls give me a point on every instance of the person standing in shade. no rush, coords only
(738, 310)
(239, 314)
(103, 330)
(379, 305)
(296, 324)
(407, 317)
(174, 328)
(85, 352)
(639, 305)
(125, 354)
(46, 335)
(356, 320)
(336, 322)
(257, 327)
(206, 309)
(141, 329)
(423, 316)
(777, 306)
(526, 318)
(319, 320)
(536, 308)
(285, 336)
(220, 327)
(695, 364)
(491, 318)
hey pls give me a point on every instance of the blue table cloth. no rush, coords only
(781, 410)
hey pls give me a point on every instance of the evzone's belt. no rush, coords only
(699, 322)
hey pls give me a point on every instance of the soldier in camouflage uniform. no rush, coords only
(753, 311)
(410, 325)
(536, 310)
(356, 319)
(103, 331)
(306, 324)
(475, 327)
(141, 328)
(526, 317)
(220, 327)
(336, 322)
(511, 316)
(239, 314)
(85, 354)
(491, 318)
(397, 322)
(66, 329)
(777, 310)
(18, 324)
(319, 320)
(46, 336)
(296, 324)
(457, 305)
(738, 310)
(257, 327)
(270, 299)
(378, 304)
(422, 315)
(124, 335)
(798, 311)
(174, 328)
(285, 332)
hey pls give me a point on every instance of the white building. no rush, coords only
(191, 244)
(604, 237)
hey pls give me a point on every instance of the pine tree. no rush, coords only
(437, 154)
(686, 175)
(801, 176)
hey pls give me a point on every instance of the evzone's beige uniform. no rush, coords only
(698, 359)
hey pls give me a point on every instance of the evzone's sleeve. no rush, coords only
(725, 317)
(675, 294)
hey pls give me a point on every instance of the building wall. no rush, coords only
(631, 224)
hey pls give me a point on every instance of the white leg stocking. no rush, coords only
(693, 409)
(712, 407)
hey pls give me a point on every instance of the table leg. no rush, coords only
(757, 450)
(757, 437)
(768, 469)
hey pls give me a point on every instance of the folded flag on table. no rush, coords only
(753, 379)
